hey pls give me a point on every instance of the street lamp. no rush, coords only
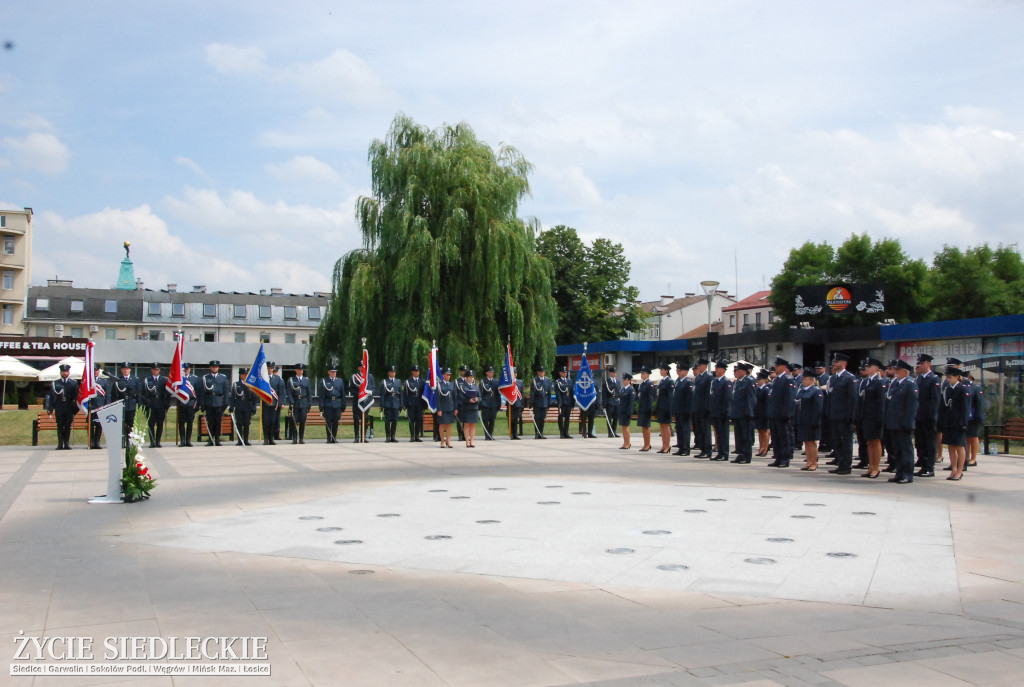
(709, 291)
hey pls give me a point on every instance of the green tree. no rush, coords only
(806, 266)
(977, 282)
(445, 257)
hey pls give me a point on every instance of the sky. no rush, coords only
(228, 141)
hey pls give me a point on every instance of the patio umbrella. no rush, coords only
(12, 368)
(52, 372)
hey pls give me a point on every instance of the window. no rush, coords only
(264, 312)
(109, 306)
(209, 309)
(153, 309)
(289, 338)
(314, 312)
(209, 337)
(155, 335)
(265, 337)
(732, 320)
(757, 319)
(3, 220)
(177, 309)
(239, 310)
(8, 245)
(769, 315)
(43, 304)
(110, 334)
(239, 337)
(77, 306)
(8, 279)
(291, 312)
(746, 319)
(8, 317)
(42, 330)
(77, 332)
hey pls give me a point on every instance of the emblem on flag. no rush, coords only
(586, 392)
(365, 394)
(507, 382)
(433, 375)
(259, 380)
(176, 377)
(87, 389)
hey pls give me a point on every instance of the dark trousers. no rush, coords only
(331, 418)
(214, 418)
(587, 420)
(488, 415)
(901, 446)
(65, 418)
(271, 416)
(743, 428)
(781, 446)
(156, 425)
(842, 443)
(683, 431)
(517, 421)
(186, 419)
(437, 428)
(826, 435)
(298, 424)
(721, 425)
(362, 424)
(129, 425)
(701, 421)
(539, 414)
(927, 449)
(391, 423)
(95, 429)
(458, 423)
(415, 423)
(243, 420)
(563, 421)
(612, 416)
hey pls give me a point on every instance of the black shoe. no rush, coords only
(839, 471)
(418, 440)
(924, 473)
(209, 443)
(832, 462)
(237, 443)
(745, 461)
(899, 480)
(720, 458)
(515, 438)
(737, 459)
(862, 465)
(773, 464)
(158, 445)
(217, 443)
(783, 464)
(702, 454)
(189, 444)
(679, 453)
(889, 469)
(831, 454)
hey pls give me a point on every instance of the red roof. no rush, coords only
(755, 300)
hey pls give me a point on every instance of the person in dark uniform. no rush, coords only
(822, 375)
(446, 406)
(213, 398)
(957, 363)
(331, 393)
(157, 399)
(645, 396)
(807, 419)
(721, 398)
(101, 400)
(842, 404)
(187, 409)
(926, 421)
(610, 400)
(363, 421)
(301, 394)
(460, 400)
(62, 402)
(887, 449)
(901, 402)
(627, 399)
(954, 414)
(761, 423)
(540, 399)
(700, 409)
(863, 460)
(780, 413)
(276, 380)
(272, 411)
(242, 404)
(515, 409)
(470, 413)
(412, 401)
(975, 419)
(663, 408)
(871, 415)
(741, 411)
(126, 388)
(563, 399)
(390, 393)
(490, 401)
(682, 400)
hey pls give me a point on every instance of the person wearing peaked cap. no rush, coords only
(390, 393)
(445, 407)
(331, 395)
(564, 392)
(470, 413)
(610, 388)
(102, 399)
(540, 397)
(187, 408)
(871, 416)
(126, 387)
(271, 412)
(807, 417)
(761, 422)
(362, 421)
(781, 403)
(490, 401)
(840, 356)
(412, 401)
(955, 362)
(741, 410)
(514, 410)
(213, 398)
(975, 419)
(62, 402)
(242, 404)
(901, 400)
(627, 401)
(926, 438)
(721, 399)
(781, 362)
(645, 395)
(663, 409)
(682, 401)
(157, 399)
(300, 393)
(700, 408)
(460, 401)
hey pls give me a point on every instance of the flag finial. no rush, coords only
(433, 343)
(584, 348)
(364, 342)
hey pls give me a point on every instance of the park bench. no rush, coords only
(1012, 430)
(45, 423)
(226, 428)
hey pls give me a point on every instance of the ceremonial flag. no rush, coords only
(176, 377)
(507, 383)
(365, 394)
(433, 375)
(586, 392)
(87, 387)
(258, 380)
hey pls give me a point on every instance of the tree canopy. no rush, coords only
(591, 287)
(977, 282)
(445, 257)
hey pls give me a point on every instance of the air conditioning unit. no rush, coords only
(58, 327)
(94, 328)
(609, 359)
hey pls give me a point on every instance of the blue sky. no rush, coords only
(228, 141)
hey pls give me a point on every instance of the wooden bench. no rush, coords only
(45, 423)
(314, 418)
(226, 428)
(1013, 430)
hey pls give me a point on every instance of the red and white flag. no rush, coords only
(365, 394)
(176, 376)
(87, 387)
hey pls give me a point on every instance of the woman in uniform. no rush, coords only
(953, 417)
(809, 401)
(627, 399)
(470, 414)
(445, 407)
(645, 406)
(761, 423)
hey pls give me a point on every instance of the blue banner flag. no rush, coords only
(586, 392)
(507, 382)
(258, 380)
(433, 375)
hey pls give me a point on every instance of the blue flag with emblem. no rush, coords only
(586, 392)
(258, 380)
(433, 376)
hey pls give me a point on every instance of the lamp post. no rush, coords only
(709, 291)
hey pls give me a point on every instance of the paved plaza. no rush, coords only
(521, 563)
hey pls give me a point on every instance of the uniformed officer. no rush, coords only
(741, 411)
(242, 404)
(700, 408)
(682, 401)
(563, 399)
(157, 400)
(627, 401)
(721, 399)
(761, 423)
(975, 419)
(187, 409)
(101, 400)
(62, 401)
(663, 408)
(871, 414)
(301, 394)
(646, 393)
(363, 420)
(390, 393)
(126, 388)
(809, 402)
(272, 410)
(412, 401)
(446, 406)
(780, 413)
(821, 372)
(954, 414)
(213, 399)
(610, 388)
(901, 402)
(515, 409)
(540, 399)
(490, 401)
(331, 392)
(460, 400)
(928, 399)
(276, 382)
(842, 389)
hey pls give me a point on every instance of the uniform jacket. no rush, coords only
(241, 399)
(744, 398)
(682, 397)
(809, 401)
(721, 396)
(901, 403)
(645, 397)
(331, 393)
(953, 412)
(412, 394)
(701, 393)
(489, 395)
(390, 393)
(842, 396)
(976, 412)
(126, 388)
(63, 396)
(278, 387)
(154, 392)
(446, 396)
(610, 392)
(521, 399)
(929, 396)
(213, 391)
(781, 397)
(300, 391)
(540, 392)
(871, 409)
(665, 387)
(627, 400)
(563, 392)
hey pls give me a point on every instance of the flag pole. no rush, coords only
(508, 410)
(362, 413)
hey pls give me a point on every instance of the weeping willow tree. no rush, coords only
(445, 257)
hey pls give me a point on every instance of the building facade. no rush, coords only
(15, 268)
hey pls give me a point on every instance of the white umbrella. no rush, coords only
(12, 368)
(52, 372)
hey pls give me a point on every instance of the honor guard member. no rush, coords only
(412, 401)
(926, 421)
(627, 401)
(460, 400)
(515, 409)
(901, 402)
(490, 401)
(761, 423)
(213, 398)
(62, 401)
(645, 397)
(187, 409)
(781, 400)
(858, 426)
(721, 399)
(332, 402)
(101, 400)
(610, 400)
(682, 401)
(272, 411)
(540, 398)
(391, 402)
(126, 388)
(871, 414)
(741, 410)
(663, 409)
(841, 390)
(446, 406)
(363, 432)
(301, 395)
(563, 399)
(807, 417)
(242, 404)
(954, 415)
(157, 400)
(700, 408)
(275, 374)
(822, 375)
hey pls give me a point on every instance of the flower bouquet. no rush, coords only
(136, 482)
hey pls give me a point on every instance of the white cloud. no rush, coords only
(230, 60)
(37, 151)
(191, 165)
(304, 168)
